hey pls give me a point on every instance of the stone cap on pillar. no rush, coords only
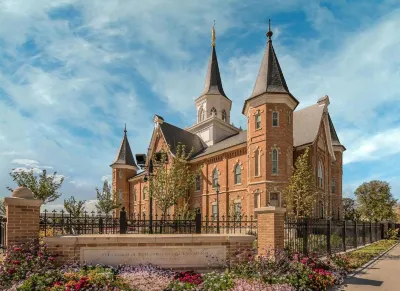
(270, 209)
(22, 196)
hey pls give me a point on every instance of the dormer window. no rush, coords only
(275, 118)
(201, 115)
(224, 115)
(213, 111)
(258, 120)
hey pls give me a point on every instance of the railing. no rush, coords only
(61, 223)
(324, 236)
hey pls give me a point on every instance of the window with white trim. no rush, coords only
(215, 178)
(275, 118)
(274, 199)
(274, 161)
(214, 212)
(198, 182)
(257, 119)
(134, 194)
(238, 174)
(320, 175)
(144, 193)
(238, 210)
(257, 163)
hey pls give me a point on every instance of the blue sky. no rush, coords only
(72, 72)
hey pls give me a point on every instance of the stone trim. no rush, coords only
(22, 202)
(270, 209)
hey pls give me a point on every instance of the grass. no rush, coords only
(362, 256)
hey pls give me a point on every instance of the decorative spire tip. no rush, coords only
(213, 37)
(125, 129)
(269, 33)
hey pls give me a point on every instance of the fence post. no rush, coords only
(101, 225)
(344, 235)
(355, 234)
(370, 231)
(364, 238)
(123, 225)
(382, 231)
(328, 236)
(305, 237)
(198, 222)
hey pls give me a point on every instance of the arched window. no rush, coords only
(224, 115)
(257, 163)
(120, 174)
(144, 193)
(320, 175)
(201, 114)
(275, 118)
(238, 174)
(213, 111)
(134, 194)
(257, 120)
(333, 185)
(198, 183)
(215, 178)
(274, 161)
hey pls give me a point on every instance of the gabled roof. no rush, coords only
(174, 135)
(124, 155)
(231, 141)
(213, 84)
(306, 123)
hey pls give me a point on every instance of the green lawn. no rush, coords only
(361, 256)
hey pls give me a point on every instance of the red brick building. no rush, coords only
(253, 166)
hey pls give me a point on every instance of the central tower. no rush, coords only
(213, 107)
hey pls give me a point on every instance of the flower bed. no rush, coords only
(30, 267)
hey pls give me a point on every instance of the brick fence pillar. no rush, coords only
(270, 228)
(23, 216)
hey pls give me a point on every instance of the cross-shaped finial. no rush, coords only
(269, 33)
(125, 128)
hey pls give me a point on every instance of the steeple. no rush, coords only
(213, 84)
(124, 156)
(270, 78)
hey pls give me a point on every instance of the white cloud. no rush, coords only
(89, 206)
(106, 177)
(24, 169)
(25, 162)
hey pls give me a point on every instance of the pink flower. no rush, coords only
(17, 249)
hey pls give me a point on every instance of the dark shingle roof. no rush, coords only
(306, 124)
(231, 141)
(124, 155)
(213, 83)
(175, 135)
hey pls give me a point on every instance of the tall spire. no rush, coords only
(213, 84)
(270, 78)
(124, 156)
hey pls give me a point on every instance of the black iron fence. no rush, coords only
(61, 223)
(3, 225)
(325, 236)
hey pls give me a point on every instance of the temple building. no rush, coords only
(251, 167)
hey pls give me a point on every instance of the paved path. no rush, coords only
(384, 274)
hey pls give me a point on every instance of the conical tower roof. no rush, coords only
(270, 78)
(213, 84)
(124, 156)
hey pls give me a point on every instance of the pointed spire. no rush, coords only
(213, 84)
(124, 155)
(270, 77)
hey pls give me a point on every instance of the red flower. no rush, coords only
(17, 249)
(16, 262)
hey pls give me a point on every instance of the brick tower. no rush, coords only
(269, 112)
(123, 168)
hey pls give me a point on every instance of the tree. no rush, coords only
(172, 181)
(44, 187)
(376, 201)
(74, 207)
(105, 199)
(350, 209)
(301, 191)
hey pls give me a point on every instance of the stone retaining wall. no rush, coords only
(186, 251)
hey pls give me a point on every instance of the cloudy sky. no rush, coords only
(72, 72)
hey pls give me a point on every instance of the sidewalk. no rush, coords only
(380, 275)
